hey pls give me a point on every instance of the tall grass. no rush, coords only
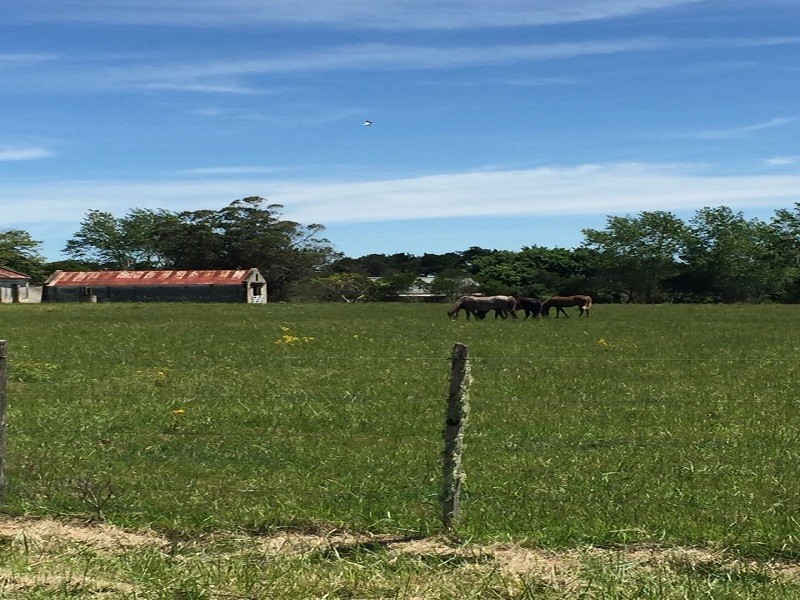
(672, 424)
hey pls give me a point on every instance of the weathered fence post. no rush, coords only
(457, 411)
(3, 388)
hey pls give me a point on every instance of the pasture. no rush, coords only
(657, 425)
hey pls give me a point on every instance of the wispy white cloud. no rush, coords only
(737, 132)
(361, 14)
(24, 59)
(245, 75)
(541, 81)
(292, 115)
(592, 189)
(779, 161)
(376, 57)
(242, 170)
(714, 67)
(8, 153)
(214, 88)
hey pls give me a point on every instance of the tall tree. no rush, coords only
(19, 252)
(285, 251)
(503, 272)
(732, 255)
(786, 251)
(639, 252)
(126, 242)
(247, 233)
(535, 271)
(190, 240)
(371, 265)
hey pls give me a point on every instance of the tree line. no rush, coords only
(653, 256)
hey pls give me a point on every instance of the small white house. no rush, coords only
(421, 290)
(14, 286)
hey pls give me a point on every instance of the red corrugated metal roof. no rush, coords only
(137, 278)
(9, 274)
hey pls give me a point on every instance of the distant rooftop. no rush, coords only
(9, 274)
(138, 278)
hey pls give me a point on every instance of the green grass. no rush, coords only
(673, 425)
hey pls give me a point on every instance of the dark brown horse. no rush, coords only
(531, 306)
(473, 305)
(584, 303)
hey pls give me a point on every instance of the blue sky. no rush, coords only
(500, 124)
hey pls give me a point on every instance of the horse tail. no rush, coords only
(588, 304)
(512, 307)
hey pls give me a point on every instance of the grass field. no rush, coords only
(669, 426)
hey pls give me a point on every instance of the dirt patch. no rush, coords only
(74, 584)
(554, 567)
(42, 533)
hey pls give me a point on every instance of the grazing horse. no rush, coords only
(584, 303)
(531, 306)
(474, 305)
(498, 312)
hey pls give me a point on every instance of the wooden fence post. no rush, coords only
(3, 388)
(457, 411)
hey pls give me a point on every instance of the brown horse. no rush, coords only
(475, 305)
(531, 306)
(584, 303)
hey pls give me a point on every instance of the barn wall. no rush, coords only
(150, 293)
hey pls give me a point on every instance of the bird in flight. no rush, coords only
(367, 123)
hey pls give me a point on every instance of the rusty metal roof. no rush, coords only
(9, 274)
(138, 278)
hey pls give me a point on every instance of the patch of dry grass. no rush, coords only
(46, 558)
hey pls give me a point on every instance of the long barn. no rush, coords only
(240, 285)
